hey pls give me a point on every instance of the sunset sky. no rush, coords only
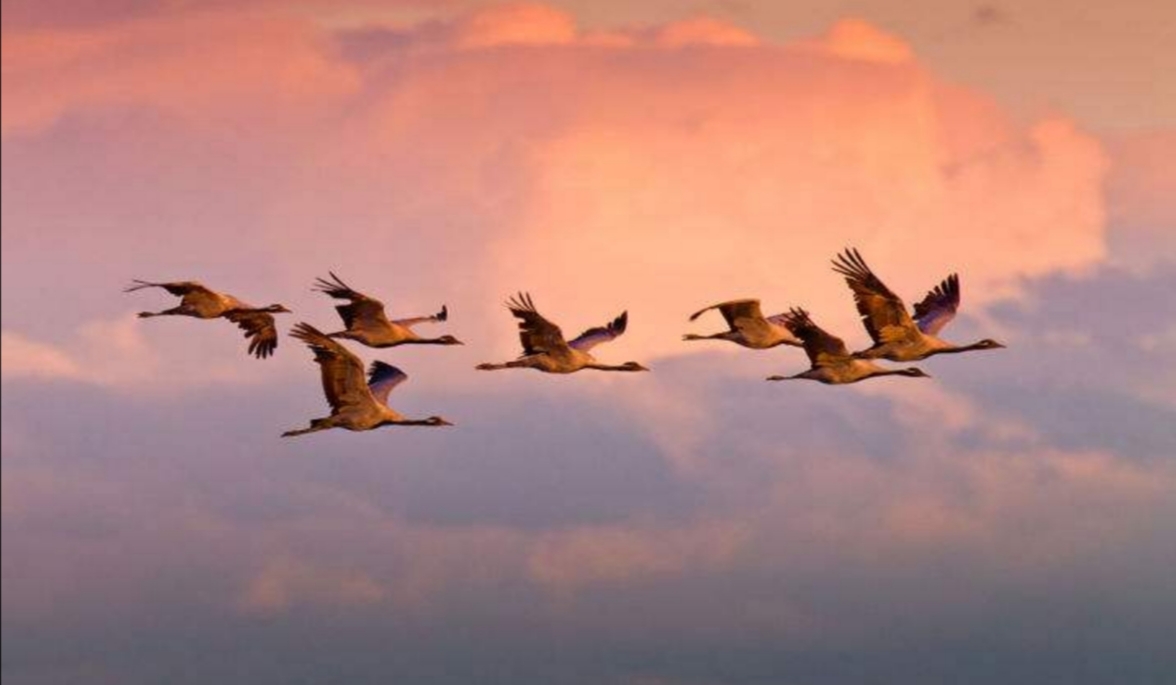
(1009, 521)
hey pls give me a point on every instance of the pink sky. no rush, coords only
(604, 158)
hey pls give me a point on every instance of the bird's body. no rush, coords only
(748, 326)
(358, 402)
(546, 350)
(897, 335)
(199, 302)
(368, 324)
(831, 362)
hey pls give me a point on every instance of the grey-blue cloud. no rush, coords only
(152, 514)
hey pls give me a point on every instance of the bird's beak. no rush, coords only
(443, 422)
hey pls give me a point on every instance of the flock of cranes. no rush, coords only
(359, 400)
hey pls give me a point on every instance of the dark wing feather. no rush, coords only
(362, 312)
(537, 334)
(177, 288)
(822, 348)
(343, 379)
(883, 313)
(382, 378)
(939, 307)
(601, 334)
(442, 315)
(259, 327)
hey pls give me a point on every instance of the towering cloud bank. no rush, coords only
(507, 148)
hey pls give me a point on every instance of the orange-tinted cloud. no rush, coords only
(514, 24)
(124, 354)
(1140, 192)
(286, 583)
(521, 154)
(567, 561)
(196, 66)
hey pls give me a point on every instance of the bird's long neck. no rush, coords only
(609, 367)
(411, 422)
(910, 371)
(956, 349)
(428, 341)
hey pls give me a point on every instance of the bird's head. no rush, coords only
(437, 421)
(914, 372)
(449, 340)
(277, 309)
(987, 344)
(633, 366)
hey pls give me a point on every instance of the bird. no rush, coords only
(200, 302)
(831, 361)
(748, 326)
(357, 403)
(896, 335)
(367, 323)
(545, 349)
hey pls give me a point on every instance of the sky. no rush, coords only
(1008, 520)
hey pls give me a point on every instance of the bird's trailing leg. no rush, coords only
(519, 364)
(174, 311)
(716, 336)
(315, 426)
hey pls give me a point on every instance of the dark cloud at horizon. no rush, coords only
(127, 499)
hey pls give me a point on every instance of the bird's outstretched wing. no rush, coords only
(412, 321)
(733, 311)
(177, 288)
(939, 307)
(361, 312)
(537, 334)
(778, 319)
(883, 313)
(343, 379)
(259, 327)
(601, 334)
(382, 378)
(822, 348)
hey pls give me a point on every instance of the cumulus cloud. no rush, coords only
(855, 39)
(23, 358)
(118, 353)
(514, 24)
(196, 66)
(703, 31)
(638, 176)
(569, 560)
(1140, 189)
(285, 583)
